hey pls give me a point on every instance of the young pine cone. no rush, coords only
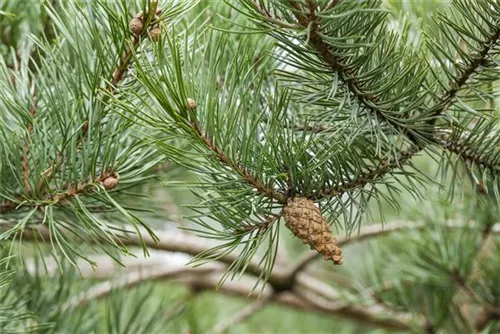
(136, 25)
(305, 221)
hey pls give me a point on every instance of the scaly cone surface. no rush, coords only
(305, 221)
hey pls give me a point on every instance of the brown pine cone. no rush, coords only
(136, 25)
(305, 221)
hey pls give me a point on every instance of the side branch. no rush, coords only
(25, 156)
(118, 74)
(473, 67)
(346, 73)
(468, 156)
(240, 170)
(369, 176)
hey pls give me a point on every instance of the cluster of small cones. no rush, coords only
(305, 221)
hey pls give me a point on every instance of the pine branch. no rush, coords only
(469, 156)
(347, 74)
(194, 279)
(147, 20)
(368, 176)
(308, 19)
(261, 9)
(242, 315)
(477, 60)
(375, 231)
(240, 170)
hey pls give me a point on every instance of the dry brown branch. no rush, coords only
(133, 279)
(241, 316)
(295, 288)
(377, 230)
(201, 279)
(325, 299)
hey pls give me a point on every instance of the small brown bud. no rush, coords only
(155, 33)
(191, 104)
(110, 182)
(136, 25)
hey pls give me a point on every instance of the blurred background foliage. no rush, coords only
(407, 271)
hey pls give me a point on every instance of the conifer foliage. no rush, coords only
(283, 118)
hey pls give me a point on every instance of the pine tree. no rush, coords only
(275, 124)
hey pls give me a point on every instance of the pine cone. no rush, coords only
(155, 33)
(305, 221)
(136, 25)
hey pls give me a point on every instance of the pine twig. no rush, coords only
(25, 156)
(133, 279)
(111, 87)
(346, 73)
(269, 18)
(240, 170)
(467, 155)
(477, 61)
(264, 225)
(368, 176)
(369, 101)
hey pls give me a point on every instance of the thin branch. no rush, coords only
(464, 286)
(240, 170)
(133, 279)
(374, 231)
(270, 18)
(242, 315)
(468, 156)
(368, 176)
(264, 225)
(108, 179)
(111, 87)
(25, 156)
(331, 4)
(473, 67)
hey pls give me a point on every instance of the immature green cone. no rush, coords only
(305, 221)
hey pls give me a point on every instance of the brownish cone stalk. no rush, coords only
(305, 221)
